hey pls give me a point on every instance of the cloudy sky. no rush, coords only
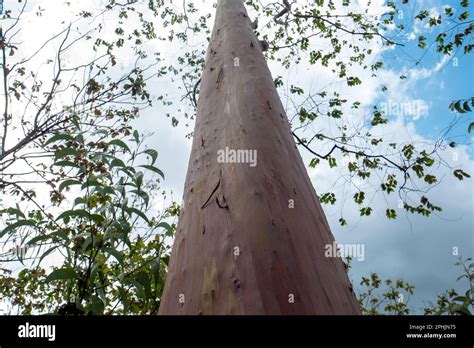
(417, 249)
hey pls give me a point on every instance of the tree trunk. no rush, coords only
(251, 238)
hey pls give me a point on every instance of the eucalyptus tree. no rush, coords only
(252, 235)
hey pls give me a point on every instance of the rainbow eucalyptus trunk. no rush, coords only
(251, 236)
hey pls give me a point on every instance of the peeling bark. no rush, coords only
(239, 247)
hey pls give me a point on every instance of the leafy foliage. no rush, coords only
(452, 303)
(463, 106)
(113, 250)
(390, 297)
(101, 230)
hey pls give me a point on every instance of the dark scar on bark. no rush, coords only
(213, 191)
(219, 76)
(222, 206)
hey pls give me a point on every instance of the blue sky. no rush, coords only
(448, 77)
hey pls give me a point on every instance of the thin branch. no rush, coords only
(352, 32)
(343, 149)
(280, 14)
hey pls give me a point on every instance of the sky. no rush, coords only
(415, 248)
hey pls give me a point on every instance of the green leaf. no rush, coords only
(59, 137)
(352, 166)
(169, 229)
(79, 200)
(143, 278)
(430, 179)
(165, 225)
(460, 174)
(86, 244)
(391, 214)
(153, 154)
(97, 218)
(67, 183)
(74, 213)
(61, 274)
(91, 183)
(67, 151)
(359, 197)
(97, 305)
(47, 252)
(143, 195)
(463, 299)
(166, 260)
(154, 169)
(138, 179)
(353, 81)
(466, 106)
(117, 163)
(13, 211)
(108, 190)
(75, 122)
(79, 138)
(471, 126)
(124, 300)
(314, 162)
(461, 309)
(137, 212)
(47, 236)
(136, 136)
(119, 143)
(115, 253)
(128, 170)
(139, 288)
(457, 106)
(16, 225)
(328, 198)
